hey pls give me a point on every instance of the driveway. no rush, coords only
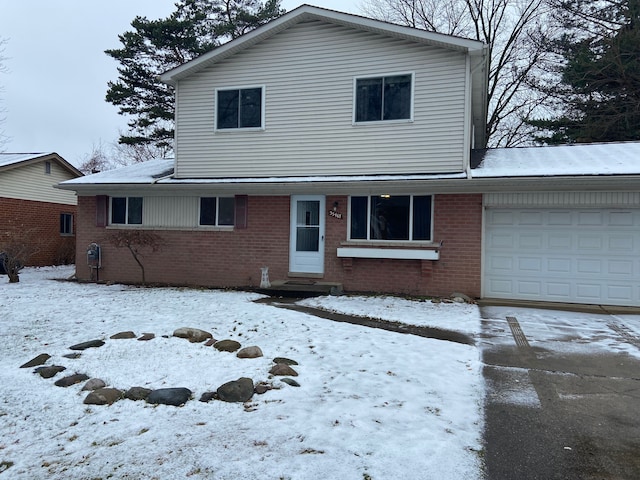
(563, 394)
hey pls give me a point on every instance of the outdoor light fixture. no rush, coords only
(335, 206)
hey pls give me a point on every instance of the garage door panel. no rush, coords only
(590, 242)
(576, 255)
(559, 265)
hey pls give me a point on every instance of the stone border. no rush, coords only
(240, 390)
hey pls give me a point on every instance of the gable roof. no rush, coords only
(9, 161)
(307, 13)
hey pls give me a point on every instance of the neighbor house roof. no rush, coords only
(607, 165)
(13, 160)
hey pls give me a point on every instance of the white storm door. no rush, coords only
(306, 249)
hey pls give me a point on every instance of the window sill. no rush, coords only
(391, 253)
(239, 130)
(381, 123)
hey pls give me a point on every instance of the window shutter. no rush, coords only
(102, 210)
(241, 207)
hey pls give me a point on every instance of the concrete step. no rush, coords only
(301, 288)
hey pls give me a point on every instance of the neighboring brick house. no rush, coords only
(335, 148)
(32, 210)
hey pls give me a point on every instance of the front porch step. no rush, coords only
(301, 288)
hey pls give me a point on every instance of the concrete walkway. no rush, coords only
(563, 394)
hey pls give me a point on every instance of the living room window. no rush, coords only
(66, 224)
(126, 210)
(217, 211)
(240, 108)
(383, 98)
(391, 217)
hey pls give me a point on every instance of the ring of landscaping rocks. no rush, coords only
(240, 390)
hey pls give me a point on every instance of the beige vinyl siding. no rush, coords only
(308, 72)
(171, 212)
(563, 199)
(30, 182)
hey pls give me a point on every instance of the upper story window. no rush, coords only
(217, 211)
(126, 210)
(391, 217)
(47, 168)
(383, 98)
(240, 108)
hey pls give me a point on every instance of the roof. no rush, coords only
(568, 166)
(306, 13)
(562, 160)
(14, 160)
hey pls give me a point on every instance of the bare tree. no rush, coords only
(514, 31)
(17, 245)
(137, 242)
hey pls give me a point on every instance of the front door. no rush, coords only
(307, 234)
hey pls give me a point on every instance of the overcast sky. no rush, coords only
(57, 71)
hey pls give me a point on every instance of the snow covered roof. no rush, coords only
(597, 162)
(11, 160)
(562, 160)
(138, 173)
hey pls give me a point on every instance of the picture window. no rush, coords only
(391, 217)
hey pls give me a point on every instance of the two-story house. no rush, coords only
(33, 212)
(334, 148)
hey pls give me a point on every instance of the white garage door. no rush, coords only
(574, 255)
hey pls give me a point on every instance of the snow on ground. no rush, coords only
(372, 404)
(460, 317)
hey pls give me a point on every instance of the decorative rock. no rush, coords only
(283, 370)
(89, 344)
(208, 396)
(72, 356)
(210, 342)
(137, 393)
(290, 381)
(226, 345)
(169, 396)
(250, 352)
(48, 372)
(94, 384)
(71, 380)
(146, 337)
(123, 335)
(240, 390)
(194, 335)
(103, 396)
(39, 360)
(284, 361)
(461, 298)
(262, 388)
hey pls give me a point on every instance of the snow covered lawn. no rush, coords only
(372, 404)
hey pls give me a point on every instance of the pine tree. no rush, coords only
(155, 46)
(599, 91)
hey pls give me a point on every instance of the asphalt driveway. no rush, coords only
(563, 394)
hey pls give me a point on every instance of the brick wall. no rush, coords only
(38, 224)
(234, 258)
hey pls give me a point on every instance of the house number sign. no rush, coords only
(335, 214)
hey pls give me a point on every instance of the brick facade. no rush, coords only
(234, 258)
(38, 223)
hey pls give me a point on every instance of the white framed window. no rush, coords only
(391, 218)
(383, 98)
(125, 210)
(47, 168)
(217, 211)
(239, 108)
